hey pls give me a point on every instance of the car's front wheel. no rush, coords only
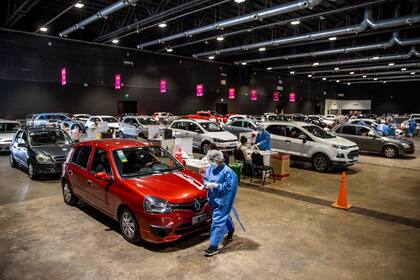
(68, 195)
(390, 152)
(321, 162)
(129, 226)
(120, 134)
(32, 172)
(13, 162)
(205, 147)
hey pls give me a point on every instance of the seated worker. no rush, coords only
(263, 141)
(212, 147)
(244, 147)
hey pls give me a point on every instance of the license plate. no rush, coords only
(199, 219)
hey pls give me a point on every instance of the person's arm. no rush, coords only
(227, 185)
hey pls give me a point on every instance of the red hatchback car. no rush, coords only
(141, 186)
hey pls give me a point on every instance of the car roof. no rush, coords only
(102, 116)
(113, 144)
(41, 128)
(8, 121)
(286, 123)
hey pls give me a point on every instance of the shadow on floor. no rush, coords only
(336, 170)
(381, 156)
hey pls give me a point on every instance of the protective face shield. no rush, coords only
(215, 158)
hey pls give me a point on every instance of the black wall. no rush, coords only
(30, 82)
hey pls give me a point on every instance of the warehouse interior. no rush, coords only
(323, 203)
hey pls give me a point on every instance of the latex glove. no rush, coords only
(210, 186)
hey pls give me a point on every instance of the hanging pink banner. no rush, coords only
(276, 96)
(254, 95)
(63, 76)
(292, 97)
(117, 81)
(231, 93)
(199, 90)
(162, 86)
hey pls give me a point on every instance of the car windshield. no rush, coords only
(318, 132)
(141, 161)
(148, 121)
(9, 127)
(48, 137)
(109, 119)
(211, 127)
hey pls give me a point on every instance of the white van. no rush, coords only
(311, 143)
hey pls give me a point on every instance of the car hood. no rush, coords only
(175, 187)
(53, 150)
(6, 137)
(222, 135)
(396, 140)
(339, 141)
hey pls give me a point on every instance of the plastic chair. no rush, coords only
(258, 165)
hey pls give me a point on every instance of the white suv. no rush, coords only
(307, 142)
(203, 133)
(137, 126)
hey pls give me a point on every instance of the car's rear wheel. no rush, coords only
(68, 195)
(321, 162)
(129, 226)
(33, 174)
(390, 152)
(120, 134)
(13, 162)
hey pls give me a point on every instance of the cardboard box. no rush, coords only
(281, 165)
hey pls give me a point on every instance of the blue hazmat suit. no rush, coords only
(264, 140)
(411, 127)
(221, 199)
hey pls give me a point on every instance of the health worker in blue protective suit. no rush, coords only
(263, 141)
(222, 184)
(412, 125)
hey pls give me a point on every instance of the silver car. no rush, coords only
(239, 126)
(371, 140)
(137, 126)
(8, 129)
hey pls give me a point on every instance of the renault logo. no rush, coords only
(196, 204)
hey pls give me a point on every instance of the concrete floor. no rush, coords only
(292, 233)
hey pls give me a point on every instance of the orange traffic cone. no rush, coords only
(342, 194)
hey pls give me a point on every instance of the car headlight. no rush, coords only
(340, 147)
(156, 205)
(43, 159)
(218, 140)
(405, 145)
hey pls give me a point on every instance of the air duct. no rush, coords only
(362, 74)
(101, 14)
(354, 29)
(410, 54)
(270, 12)
(402, 76)
(393, 41)
(389, 81)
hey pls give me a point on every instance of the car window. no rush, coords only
(127, 120)
(48, 137)
(279, 130)
(211, 127)
(193, 127)
(18, 136)
(100, 162)
(147, 121)
(237, 123)
(362, 131)
(293, 132)
(180, 125)
(348, 129)
(249, 125)
(81, 156)
(109, 119)
(9, 127)
(318, 132)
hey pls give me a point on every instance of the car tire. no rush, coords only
(13, 162)
(129, 226)
(69, 197)
(120, 134)
(33, 174)
(205, 147)
(321, 162)
(142, 136)
(390, 152)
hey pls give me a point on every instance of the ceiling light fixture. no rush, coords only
(239, 1)
(324, 79)
(364, 76)
(211, 57)
(338, 81)
(292, 72)
(391, 63)
(309, 76)
(269, 68)
(375, 79)
(315, 64)
(79, 5)
(262, 49)
(384, 82)
(412, 73)
(220, 38)
(332, 38)
(162, 25)
(351, 73)
(169, 50)
(336, 68)
(243, 63)
(295, 22)
(43, 29)
(348, 84)
(115, 41)
(375, 57)
(403, 69)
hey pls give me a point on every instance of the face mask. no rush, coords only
(213, 164)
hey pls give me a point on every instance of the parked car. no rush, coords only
(42, 150)
(163, 117)
(371, 140)
(332, 118)
(203, 133)
(81, 117)
(110, 120)
(238, 126)
(206, 115)
(117, 176)
(311, 143)
(8, 130)
(137, 126)
(234, 117)
(367, 122)
(56, 119)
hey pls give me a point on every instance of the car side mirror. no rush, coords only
(198, 131)
(103, 176)
(302, 137)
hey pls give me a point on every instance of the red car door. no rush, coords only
(102, 195)
(77, 171)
